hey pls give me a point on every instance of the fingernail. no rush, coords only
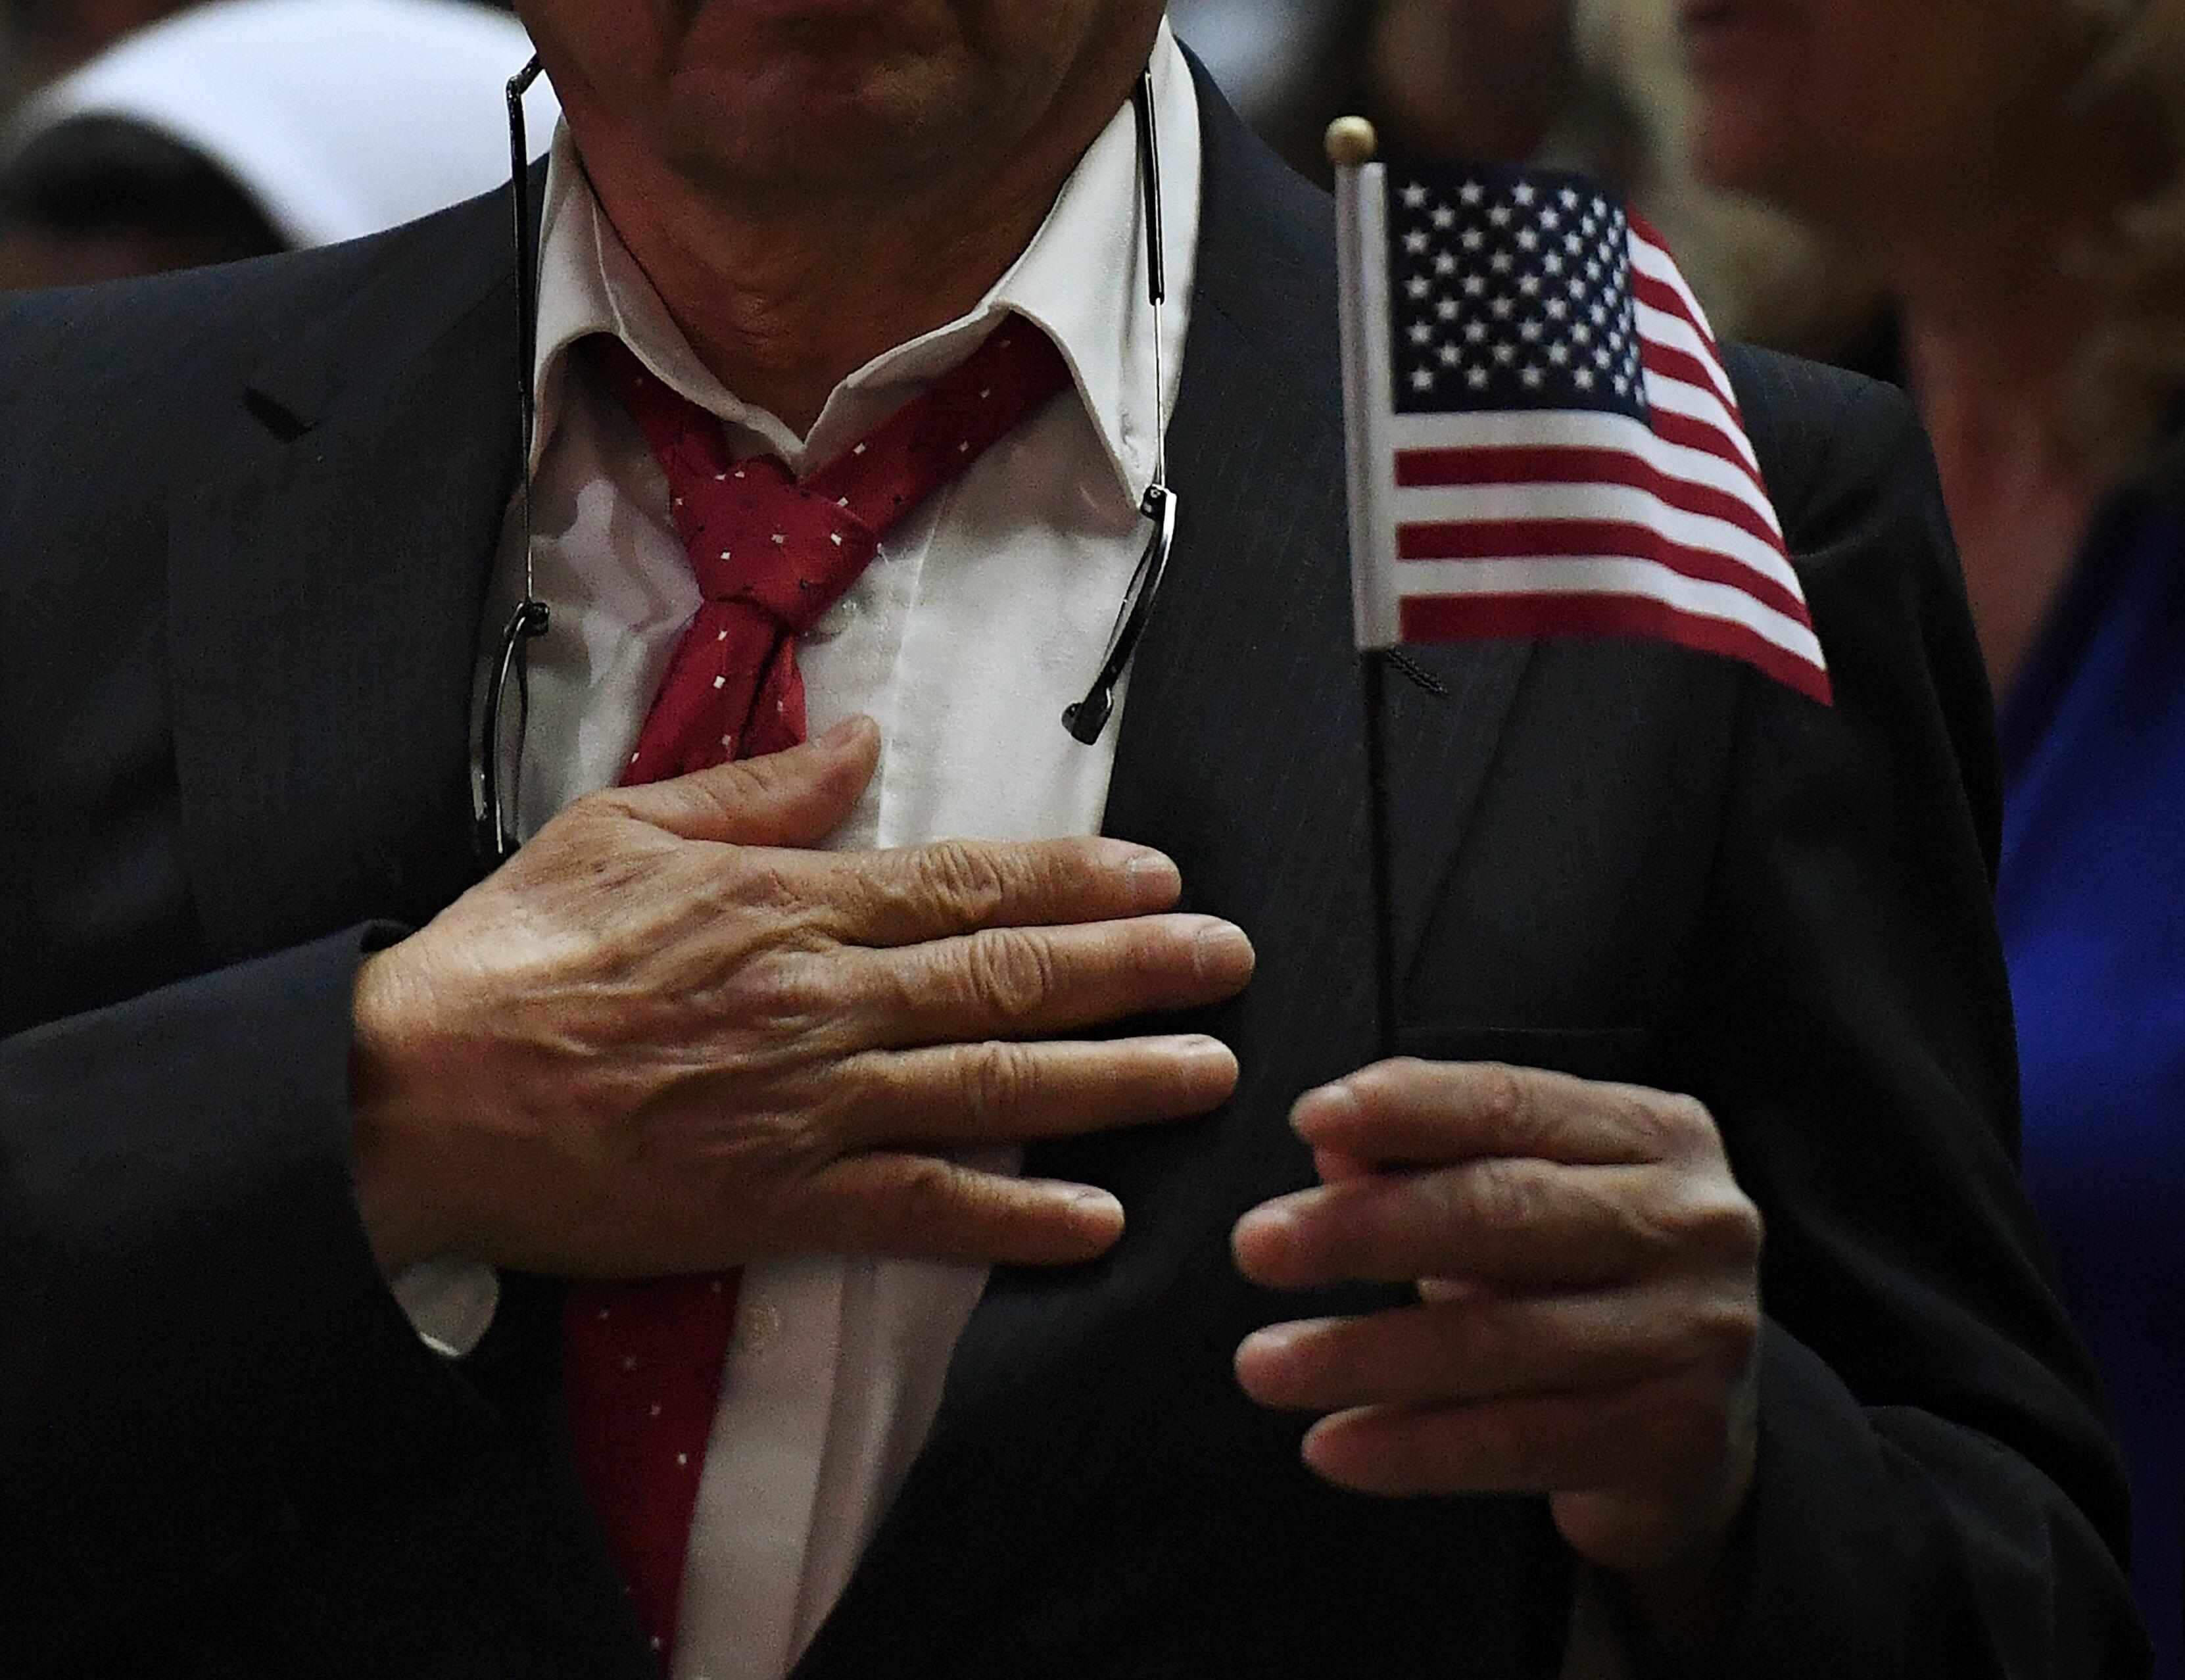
(1199, 1051)
(1096, 1204)
(1153, 880)
(1270, 1344)
(845, 732)
(1320, 1111)
(1220, 950)
(1267, 1227)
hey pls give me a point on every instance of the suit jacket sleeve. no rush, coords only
(197, 1350)
(1936, 1494)
(208, 1396)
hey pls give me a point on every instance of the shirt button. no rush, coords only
(758, 1326)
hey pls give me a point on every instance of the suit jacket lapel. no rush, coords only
(324, 602)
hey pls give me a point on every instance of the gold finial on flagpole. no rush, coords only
(1351, 142)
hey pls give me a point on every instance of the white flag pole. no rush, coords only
(1361, 233)
(1363, 263)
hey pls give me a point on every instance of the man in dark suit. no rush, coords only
(1684, 957)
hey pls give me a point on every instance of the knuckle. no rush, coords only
(777, 998)
(965, 878)
(929, 1204)
(591, 829)
(1682, 1123)
(829, 1116)
(998, 1080)
(1010, 974)
(1501, 1196)
(1055, 867)
(1707, 1327)
(1738, 1228)
(1718, 1222)
(742, 781)
(1733, 1326)
(592, 810)
(760, 881)
(1504, 1099)
(786, 1141)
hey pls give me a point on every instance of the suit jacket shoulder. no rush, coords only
(1841, 452)
(154, 364)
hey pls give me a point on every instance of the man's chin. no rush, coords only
(808, 122)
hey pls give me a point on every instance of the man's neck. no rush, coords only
(783, 298)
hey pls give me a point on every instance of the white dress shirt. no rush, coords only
(985, 614)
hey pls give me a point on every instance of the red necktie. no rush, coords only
(644, 1361)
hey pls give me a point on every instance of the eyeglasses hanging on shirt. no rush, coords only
(496, 764)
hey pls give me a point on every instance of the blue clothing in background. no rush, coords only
(2091, 901)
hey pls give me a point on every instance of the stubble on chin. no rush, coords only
(904, 124)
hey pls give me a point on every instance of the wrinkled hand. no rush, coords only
(669, 1038)
(1589, 1309)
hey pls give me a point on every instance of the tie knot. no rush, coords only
(770, 555)
(757, 537)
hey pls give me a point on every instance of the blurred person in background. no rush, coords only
(1264, 53)
(1596, 86)
(2011, 170)
(1490, 80)
(42, 39)
(1287, 65)
(250, 127)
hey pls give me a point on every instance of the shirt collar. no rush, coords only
(1082, 281)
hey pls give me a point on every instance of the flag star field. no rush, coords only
(1512, 293)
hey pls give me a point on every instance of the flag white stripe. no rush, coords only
(1676, 334)
(1680, 396)
(1608, 574)
(1574, 431)
(1657, 264)
(1619, 504)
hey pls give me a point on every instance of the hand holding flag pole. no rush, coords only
(1542, 443)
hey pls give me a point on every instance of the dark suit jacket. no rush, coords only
(246, 520)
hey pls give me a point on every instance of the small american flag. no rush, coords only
(1544, 441)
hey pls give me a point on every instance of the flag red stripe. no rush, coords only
(1697, 434)
(1661, 295)
(1557, 539)
(1448, 469)
(1449, 618)
(1671, 363)
(1652, 235)
(1645, 229)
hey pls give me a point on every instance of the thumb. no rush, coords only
(796, 797)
